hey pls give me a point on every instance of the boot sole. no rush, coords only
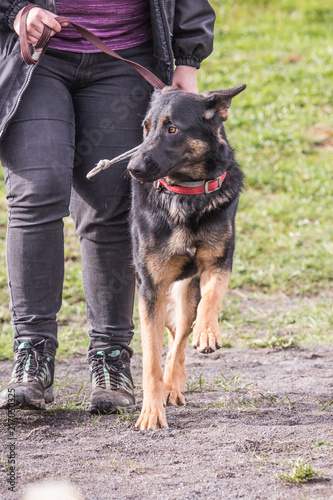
(109, 409)
(22, 400)
(105, 401)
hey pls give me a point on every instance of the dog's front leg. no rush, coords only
(152, 319)
(184, 297)
(206, 333)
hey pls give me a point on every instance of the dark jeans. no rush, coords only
(77, 110)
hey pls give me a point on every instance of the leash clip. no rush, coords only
(157, 185)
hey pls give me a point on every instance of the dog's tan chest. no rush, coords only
(182, 242)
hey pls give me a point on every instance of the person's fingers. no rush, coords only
(32, 40)
(34, 33)
(38, 18)
(50, 21)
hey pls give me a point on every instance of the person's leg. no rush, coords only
(109, 111)
(37, 154)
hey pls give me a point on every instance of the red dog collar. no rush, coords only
(197, 187)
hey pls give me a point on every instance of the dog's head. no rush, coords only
(182, 133)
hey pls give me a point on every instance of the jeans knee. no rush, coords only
(40, 197)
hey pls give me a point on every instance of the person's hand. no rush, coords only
(36, 20)
(185, 77)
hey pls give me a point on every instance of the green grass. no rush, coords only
(281, 128)
(302, 472)
(232, 382)
(125, 416)
(283, 52)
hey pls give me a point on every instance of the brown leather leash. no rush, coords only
(97, 42)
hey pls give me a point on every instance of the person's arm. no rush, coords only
(193, 36)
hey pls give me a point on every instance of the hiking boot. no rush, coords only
(31, 384)
(112, 384)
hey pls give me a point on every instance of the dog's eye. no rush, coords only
(146, 127)
(172, 129)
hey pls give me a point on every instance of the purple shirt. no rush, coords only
(119, 23)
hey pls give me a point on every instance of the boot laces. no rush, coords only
(34, 366)
(100, 364)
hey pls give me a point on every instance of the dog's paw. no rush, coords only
(151, 418)
(206, 341)
(173, 396)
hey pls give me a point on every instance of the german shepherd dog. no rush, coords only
(185, 195)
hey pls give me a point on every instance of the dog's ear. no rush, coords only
(218, 102)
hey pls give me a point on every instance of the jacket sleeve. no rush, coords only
(193, 32)
(8, 12)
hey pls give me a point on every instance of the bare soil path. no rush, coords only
(249, 414)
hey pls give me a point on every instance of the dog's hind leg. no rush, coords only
(184, 296)
(170, 322)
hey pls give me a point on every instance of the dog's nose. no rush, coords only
(135, 170)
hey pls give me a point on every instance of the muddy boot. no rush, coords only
(112, 384)
(32, 377)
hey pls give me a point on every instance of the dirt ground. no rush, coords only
(249, 414)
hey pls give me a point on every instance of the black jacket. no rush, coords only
(182, 33)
